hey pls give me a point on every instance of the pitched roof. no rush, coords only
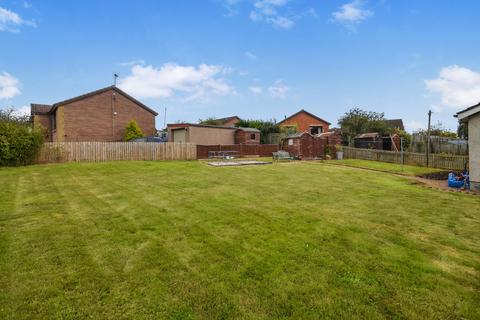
(308, 113)
(296, 135)
(395, 123)
(367, 135)
(470, 111)
(226, 119)
(174, 126)
(93, 93)
(248, 129)
(36, 108)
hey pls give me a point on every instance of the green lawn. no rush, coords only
(388, 167)
(155, 240)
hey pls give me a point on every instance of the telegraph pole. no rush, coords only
(165, 118)
(428, 136)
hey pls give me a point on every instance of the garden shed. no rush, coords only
(303, 145)
(370, 140)
(373, 140)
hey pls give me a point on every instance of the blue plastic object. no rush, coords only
(453, 182)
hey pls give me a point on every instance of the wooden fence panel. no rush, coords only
(115, 151)
(451, 162)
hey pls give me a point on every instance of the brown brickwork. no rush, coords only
(303, 120)
(42, 121)
(99, 116)
(245, 137)
(306, 146)
(104, 117)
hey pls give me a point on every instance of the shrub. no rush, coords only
(265, 127)
(19, 143)
(133, 131)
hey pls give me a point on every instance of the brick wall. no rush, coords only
(43, 121)
(303, 121)
(93, 119)
(245, 137)
(262, 150)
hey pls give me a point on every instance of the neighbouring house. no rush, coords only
(304, 121)
(210, 135)
(100, 115)
(373, 140)
(228, 121)
(395, 124)
(471, 116)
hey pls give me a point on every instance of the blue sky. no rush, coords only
(252, 58)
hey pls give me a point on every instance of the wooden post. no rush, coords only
(428, 136)
(401, 150)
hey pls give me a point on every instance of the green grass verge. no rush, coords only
(155, 240)
(387, 167)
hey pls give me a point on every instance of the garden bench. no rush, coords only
(282, 155)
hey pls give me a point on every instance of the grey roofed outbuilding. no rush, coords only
(248, 129)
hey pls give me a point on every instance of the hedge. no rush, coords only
(19, 143)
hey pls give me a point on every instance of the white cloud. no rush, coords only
(256, 89)
(9, 21)
(458, 86)
(277, 13)
(132, 63)
(231, 6)
(414, 126)
(9, 86)
(195, 83)
(250, 55)
(351, 13)
(278, 89)
(22, 111)
(267, 10)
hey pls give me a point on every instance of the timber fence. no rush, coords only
(115, 151)
(451, 162)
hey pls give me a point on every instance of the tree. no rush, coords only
(357, 121)
(11, 115)
(438, 130)
(265, 127)
(462, 130)
(210, 121)
(133, 131)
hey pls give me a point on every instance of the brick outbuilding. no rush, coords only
(303, 145)
(247, 136)
(101, 115)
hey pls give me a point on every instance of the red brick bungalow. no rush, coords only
(305, 121)
(101, 115)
